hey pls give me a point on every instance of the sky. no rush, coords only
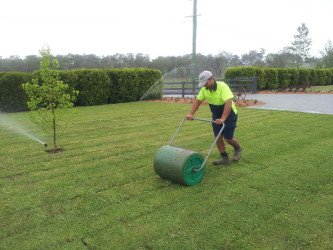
(159, 27)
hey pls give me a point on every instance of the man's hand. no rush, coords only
(195, 107)
(219, 121)
(189, 117)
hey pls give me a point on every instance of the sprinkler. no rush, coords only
(45, 144)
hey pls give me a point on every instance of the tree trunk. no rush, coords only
(54, 127)
(54, 133)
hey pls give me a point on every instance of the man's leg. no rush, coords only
(220, 144)
(237, 149)
(221, 147)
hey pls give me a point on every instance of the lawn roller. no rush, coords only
(180, 165)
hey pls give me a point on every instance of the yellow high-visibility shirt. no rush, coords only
(218, 96)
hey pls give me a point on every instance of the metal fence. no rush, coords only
(185, 89)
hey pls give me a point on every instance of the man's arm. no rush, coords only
(195, 107)
(226, 112)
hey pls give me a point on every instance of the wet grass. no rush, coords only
(101, 191)
(327, 88)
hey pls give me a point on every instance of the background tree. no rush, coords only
(283, 59)
(31, 63)
(301, 45)
(254, 58)
(327, 55)
(50, 98)
(288, 57)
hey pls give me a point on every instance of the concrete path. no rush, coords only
(308, 103)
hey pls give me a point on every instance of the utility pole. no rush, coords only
(194, 38)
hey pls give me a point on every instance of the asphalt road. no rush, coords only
(308, 103)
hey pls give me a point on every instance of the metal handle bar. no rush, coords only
(204, 120)
(211, 148)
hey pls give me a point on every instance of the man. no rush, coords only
(219, 97)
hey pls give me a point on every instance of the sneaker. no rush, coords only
(237, 154)
(223, 161)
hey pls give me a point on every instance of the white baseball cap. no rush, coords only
(203, 77)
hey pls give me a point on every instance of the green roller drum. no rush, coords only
(178, 165)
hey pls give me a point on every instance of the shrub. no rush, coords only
(12, 96)
(249, 72)
(313, 77)
(324, 76)
(147, 78)
(92, 84)
(286, 77)
(127, 85)
(272, 80)
(283, 78)
(294, 77)
(304, 77)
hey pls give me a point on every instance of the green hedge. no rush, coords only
(147, 79)
(324, 77)
(258, 72)
(12, 96)
(92, 84)
(95, 86)
(273, 78)
(128, 85)
(284, 77)
(123, 85)
(304, 77)
(294, 77)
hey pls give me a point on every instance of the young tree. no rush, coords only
(50, 98)
(301, 45)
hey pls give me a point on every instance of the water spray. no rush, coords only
(14, 126)
(179, 74)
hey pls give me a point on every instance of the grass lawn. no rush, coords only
(326, 88)
(101, 192)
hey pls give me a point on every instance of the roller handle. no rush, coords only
(181, 124)
(204, 120)
(211, 148)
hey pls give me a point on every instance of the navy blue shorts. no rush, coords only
(230, 122)
(228, 131)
